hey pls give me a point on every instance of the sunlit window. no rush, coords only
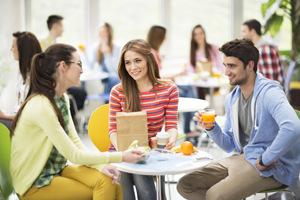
(212, 15)
(73, 23)
(130, 19)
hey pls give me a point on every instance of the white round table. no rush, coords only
(191, 104)
(93, 75)
(209, 83)
(175, 165)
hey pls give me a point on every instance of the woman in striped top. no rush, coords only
(142, 89)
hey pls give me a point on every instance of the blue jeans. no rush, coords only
(144, 186)
(187, 91)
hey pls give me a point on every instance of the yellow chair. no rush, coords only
(98, 128)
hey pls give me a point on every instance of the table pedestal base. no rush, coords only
(160, 187)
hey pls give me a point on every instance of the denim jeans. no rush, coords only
(144, 186)
(187, 91)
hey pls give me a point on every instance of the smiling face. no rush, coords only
(74, 70)
(199, 35)
(245, 32)
(235, 70)
(136, 66)
(14, 49)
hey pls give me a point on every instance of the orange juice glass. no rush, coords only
(208, 117)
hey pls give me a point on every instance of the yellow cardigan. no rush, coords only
(38, 129)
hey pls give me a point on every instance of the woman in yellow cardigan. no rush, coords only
(44, 138)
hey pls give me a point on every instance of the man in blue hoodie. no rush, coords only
(260, 125)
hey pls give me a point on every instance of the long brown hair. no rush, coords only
(28, 46)
(129, 86)
(156, 36)
(42, 77)
(194, 47)
(110, 42)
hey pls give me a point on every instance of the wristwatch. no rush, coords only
(260, 161)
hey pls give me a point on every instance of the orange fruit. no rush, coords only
(187, 148)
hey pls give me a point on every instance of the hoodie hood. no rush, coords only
(260, 84)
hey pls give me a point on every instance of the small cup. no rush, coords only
(162, 139)
(208, 117)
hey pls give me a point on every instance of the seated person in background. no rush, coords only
(202, 51)
(40, 171)
(24, 46)
(55, 26)
(105, 54)
(142, 89)
(260, 124)
(155, 38)
(269, 63)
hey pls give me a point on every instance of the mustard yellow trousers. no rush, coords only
(77, 182)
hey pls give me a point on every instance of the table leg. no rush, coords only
(160, 187)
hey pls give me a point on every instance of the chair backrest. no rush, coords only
(5, 178)
(98, 128)
(288, 77)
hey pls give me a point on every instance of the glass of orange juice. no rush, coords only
(208, 117)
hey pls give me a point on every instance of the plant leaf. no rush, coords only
(265, 6)
(273, 24)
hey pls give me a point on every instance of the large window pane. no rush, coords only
(212, 15)
(73, 13)
(130, 19)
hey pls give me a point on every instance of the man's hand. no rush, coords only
(198, 119)
(264, 168)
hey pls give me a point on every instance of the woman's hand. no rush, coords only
(198, 119)
(131, 156)
(111, 171)
(170, 144)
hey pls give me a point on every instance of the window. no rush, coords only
(130, 19)
(185, 15)
(73, 23)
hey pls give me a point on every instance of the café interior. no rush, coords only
(221, 21)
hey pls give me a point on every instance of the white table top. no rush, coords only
(205, 83)
(191, 104)
(93, 75)
(177, 164)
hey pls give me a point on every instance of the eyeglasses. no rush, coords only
(79, 63)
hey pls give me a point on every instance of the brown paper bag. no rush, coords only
(204, 66)
(131, 126)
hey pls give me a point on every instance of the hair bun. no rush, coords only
(42, 55)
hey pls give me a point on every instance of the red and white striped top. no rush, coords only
(162, 109)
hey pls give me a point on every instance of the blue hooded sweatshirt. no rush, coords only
(275, 132)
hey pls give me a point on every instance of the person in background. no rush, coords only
(105, 55)
(44, 138)
(156, 36)
(141, 88)
(260, 125)
(201, 50)
(24, 46)
(55, 26)
(270, 63)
